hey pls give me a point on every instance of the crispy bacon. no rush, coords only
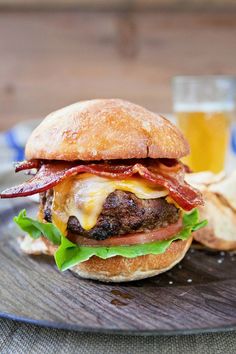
(169, 176)
(26, 165)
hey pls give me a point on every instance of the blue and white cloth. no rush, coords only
(233, 139)
(12, 145)
(12, 142)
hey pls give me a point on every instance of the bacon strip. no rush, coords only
(170, 177)
(26, 165)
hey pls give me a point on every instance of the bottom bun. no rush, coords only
(116, 269)
(121, 269)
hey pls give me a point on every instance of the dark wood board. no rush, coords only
(196, 296)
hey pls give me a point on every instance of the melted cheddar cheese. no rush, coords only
(83, 196)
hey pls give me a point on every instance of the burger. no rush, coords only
(114, 203)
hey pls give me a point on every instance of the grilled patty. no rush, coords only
(122, 213)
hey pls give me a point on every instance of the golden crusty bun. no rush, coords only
(219, 193)
(105, 129)
(117, 269)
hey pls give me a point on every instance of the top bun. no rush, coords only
(105, 129)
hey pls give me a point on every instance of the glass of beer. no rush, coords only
(203, 106)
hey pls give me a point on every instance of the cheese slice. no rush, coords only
(83, 196)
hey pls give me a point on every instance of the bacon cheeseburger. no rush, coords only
(113, 194)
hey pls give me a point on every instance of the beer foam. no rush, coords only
(208, 107)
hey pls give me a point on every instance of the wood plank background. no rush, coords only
(52, 58)
(119, 4)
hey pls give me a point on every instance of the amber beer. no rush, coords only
(208, 136)
(203, 106)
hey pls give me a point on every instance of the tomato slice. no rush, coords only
(133, 239)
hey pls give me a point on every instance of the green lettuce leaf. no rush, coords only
(69, 254)
(36, 228)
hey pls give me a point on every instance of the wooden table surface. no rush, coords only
(49, 59)
(198, 294)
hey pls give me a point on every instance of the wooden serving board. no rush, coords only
(197, 295)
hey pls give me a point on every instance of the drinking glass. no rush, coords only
(203, 106)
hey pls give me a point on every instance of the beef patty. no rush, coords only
(122, 213)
